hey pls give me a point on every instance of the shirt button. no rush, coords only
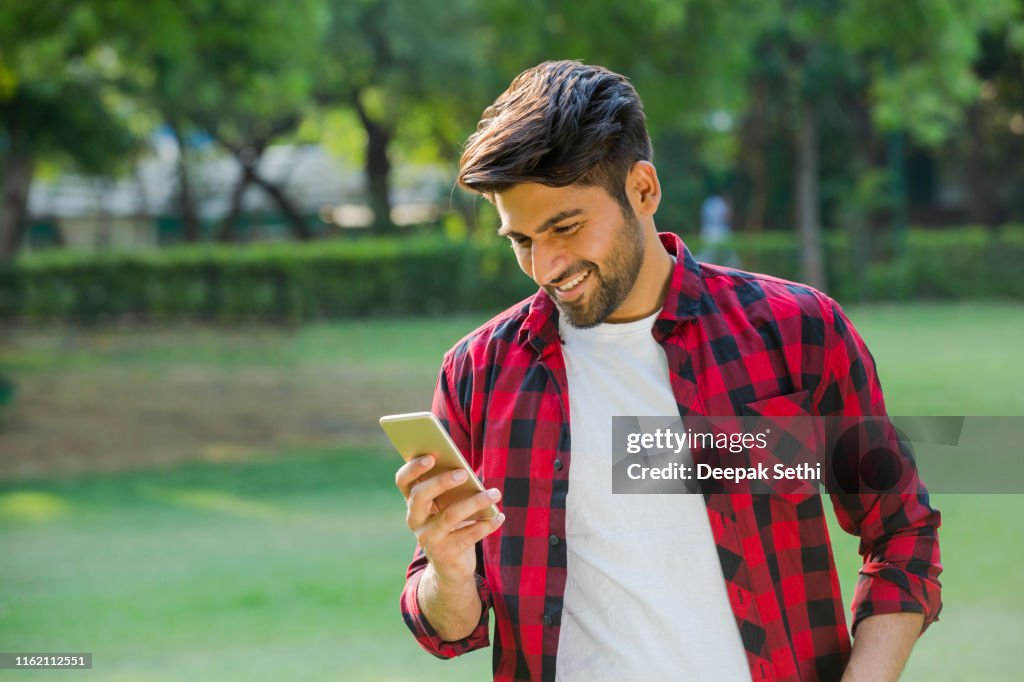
(558, 465)
(553, 540)
(547, 619)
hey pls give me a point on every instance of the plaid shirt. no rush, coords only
(735, 342)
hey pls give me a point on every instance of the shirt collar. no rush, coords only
(682, 300)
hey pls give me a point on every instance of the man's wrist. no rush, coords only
(451, 606)
(445, 583)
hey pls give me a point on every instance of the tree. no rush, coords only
(919, 56)
(909, 62)
(239, 72)
(991, 142)
(57, 99)
(411, 72)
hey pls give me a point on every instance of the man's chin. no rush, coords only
(578, 316)
(582, 313)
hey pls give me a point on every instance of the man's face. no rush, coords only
(576, 243)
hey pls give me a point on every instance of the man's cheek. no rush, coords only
(525, 263)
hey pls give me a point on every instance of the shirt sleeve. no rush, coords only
(898, 531)
(448, 411)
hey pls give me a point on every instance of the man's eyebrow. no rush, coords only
(503, 231)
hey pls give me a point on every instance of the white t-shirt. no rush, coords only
(645, 597)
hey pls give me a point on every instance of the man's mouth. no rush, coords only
(573, 285)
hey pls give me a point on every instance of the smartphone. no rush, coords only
(420, 433)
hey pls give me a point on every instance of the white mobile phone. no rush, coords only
(420, 433)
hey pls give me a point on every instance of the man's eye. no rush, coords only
(521, 241)
(566, 229)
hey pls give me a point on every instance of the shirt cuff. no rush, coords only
(424, 632)
(885, 588)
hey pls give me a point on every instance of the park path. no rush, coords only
(105, 416)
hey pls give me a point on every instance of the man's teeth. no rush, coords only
(573, 282)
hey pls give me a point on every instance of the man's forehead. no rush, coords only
(531, 201)
(532, 210)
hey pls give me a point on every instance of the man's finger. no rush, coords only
(410, 472)
(442, 546)
(453, 516)
(423, 494)
(467, 537)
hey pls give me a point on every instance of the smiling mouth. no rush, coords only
(573, 283)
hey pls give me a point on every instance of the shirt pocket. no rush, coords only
(789, 443)
(785, 405)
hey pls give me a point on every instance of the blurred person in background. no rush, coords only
(589, 585)
(715, 232)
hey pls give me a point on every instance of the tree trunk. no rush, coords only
(758, 206)
(981, 204)
(186, 200)
(17, 179)
(226, 230)
(378, 168)
(812, 253)
(753, 154)
(248, 162)
(378, 171)
(300, 229)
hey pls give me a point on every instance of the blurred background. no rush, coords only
(230, 239)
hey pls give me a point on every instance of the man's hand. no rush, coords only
(447, 590)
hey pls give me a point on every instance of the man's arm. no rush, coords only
(445, 601)
(882, 647)
(898, 530)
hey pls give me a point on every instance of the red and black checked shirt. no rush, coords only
(733, 340)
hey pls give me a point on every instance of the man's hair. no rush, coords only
(559, 123)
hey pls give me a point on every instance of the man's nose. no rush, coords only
(550, 261)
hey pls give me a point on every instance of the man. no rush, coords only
(586, 584)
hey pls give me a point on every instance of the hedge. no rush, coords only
(294, 282)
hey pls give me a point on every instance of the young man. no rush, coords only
(590, 585)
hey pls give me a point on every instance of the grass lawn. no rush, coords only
(289, 565)
(282, 568)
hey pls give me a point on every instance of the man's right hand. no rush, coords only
(448, 536)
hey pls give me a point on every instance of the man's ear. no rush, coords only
(643, 188)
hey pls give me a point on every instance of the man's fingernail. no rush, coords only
(500, 519)
(423, 461)
(493, 494)
(459, 475)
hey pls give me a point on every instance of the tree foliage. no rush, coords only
(57, 98)
(802, 98)
(411, 73)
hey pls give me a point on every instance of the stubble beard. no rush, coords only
(613, 282)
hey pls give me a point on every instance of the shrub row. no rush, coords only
(284, 282)
(294, 282)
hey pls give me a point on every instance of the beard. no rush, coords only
(612, 283)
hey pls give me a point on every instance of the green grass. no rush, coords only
(947, 358)
(289, 567)
(285, 568)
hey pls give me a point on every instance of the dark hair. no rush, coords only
(558, 124)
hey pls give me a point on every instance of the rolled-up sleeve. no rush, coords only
(446, 409)
(898, 531)
(420, 626)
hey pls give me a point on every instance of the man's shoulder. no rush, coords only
(498, 334)
(758, 294)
